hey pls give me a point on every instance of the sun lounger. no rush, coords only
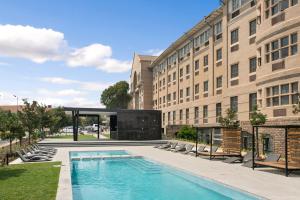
(173, 146)
(271, 158)
(164, 146)
(33, 159)
(188, 148)
(180, 147)
(34, 151)
(234, 159)
(207, 153)
(201, 148)
(48, 149)
(30, 155)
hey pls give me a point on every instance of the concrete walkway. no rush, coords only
(269, 184)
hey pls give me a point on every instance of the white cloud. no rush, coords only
(154, 52)
(97, 55)
(40, 45)
(36, 44)
(4, 64)
(84, 85)
(60, 93)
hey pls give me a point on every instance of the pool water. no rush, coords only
(141, 179)
(78, 154)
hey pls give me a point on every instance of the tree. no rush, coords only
(57, 120)
(230, 120)
(116, 96)
(257, 118)
(30, 118)
(44, 118)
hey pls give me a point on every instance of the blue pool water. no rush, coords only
(97, 153)
(141, 179)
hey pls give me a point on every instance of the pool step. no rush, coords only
(145, 166)
(103, 157)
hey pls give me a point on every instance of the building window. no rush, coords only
(169, 97)
(219, 82)
(235, 5)
(282, 95)
(188, 91)
(169, 78)
(252, 65)
(205, 86)
(266, 140)
(187, 69)
(234, 70)
(164, 99)
(174, 76)
(180, 114)
(252, 27)
(196, 65)
(187, 115)
(218, 30)
(282, 48)
(252, 101)
(205, 113)
(234, 36)
(218, 111)
(196, 114)
(185, 50)
(181, 94)
(205, 60)
(294, 2)
(174, 117)
(164, 120)
(234, 103)
(180, 72)
(174, 96)
(169, 117)
(196, 88)
(219, 54)
(164, 81)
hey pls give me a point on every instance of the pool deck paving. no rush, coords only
(265, 183)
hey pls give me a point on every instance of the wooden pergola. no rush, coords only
(291, 148)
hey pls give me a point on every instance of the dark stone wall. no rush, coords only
(138, 125)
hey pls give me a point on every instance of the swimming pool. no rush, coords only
(78, 154)
(141, 179)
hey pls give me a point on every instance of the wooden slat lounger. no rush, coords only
(218, 154)
(278, 165)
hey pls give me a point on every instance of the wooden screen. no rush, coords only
(294, 145)
(231, 140)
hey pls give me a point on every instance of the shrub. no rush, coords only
(187, 132)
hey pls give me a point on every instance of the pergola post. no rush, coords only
(211, 141)
(286, 151)
(197, 129)
(98, 126)
(74, 125)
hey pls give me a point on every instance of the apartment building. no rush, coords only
(141, 82)
(244, 54)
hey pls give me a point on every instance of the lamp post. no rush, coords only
(17, 102)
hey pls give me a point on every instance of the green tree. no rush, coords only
(30, 117)
(116, 96)
(187, 132)
(57, 120)
(257, 118)
(44, 119)
(230, 120)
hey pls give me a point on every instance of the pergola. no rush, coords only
(291, 148)
(89, 112)
(231, 142)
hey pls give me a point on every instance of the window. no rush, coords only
(234, 70)
(205, 60)
(252, 65)
(204, 37)
(169, 97)
(218, 30)
(234, 103)
(196, 113)
(252, 101)
(219, 54)
(294, 2)
(169, 78)
(234, 36)
(205, 86)
(187, 114)
(180, 115)
(282, 48)
(185, 50)
(164, 99)
(174, 76)
(284, 94)
(164, 81)
(235, 5)
(219, 82)
(169, 117)
(181, 72)
(205, 112)
(172, 59)
(188, 91)
(218, 111)
(174, 96)
(266, 140)
(196, 65)
(252, 27)
(196, 88)
(174, 117)
(164, 118)
(187, 69)
(181, 93)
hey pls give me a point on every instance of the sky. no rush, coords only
(66, 52)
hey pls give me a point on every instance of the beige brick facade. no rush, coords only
(243, 54)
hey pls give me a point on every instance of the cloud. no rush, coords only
(60, 93)
(97, 55)
(41, 45)
(84, 85)
(154, 52)
(4, 64)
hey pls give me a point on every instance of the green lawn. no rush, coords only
(80, 137)
(29, 181)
